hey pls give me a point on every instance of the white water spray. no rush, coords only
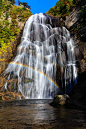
(42, 50)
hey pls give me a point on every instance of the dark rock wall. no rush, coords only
(72, 22)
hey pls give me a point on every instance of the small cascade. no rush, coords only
(42, 51)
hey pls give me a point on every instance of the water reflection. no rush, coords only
(39, 115)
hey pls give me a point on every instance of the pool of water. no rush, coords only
(38, 114)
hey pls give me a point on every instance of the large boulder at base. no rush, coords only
(60, 100)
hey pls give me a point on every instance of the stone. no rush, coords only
(0, 97)
(2, 82)
(12, 85)
(60, 100)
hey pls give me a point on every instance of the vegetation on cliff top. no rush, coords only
(12, 19)
(62, 8)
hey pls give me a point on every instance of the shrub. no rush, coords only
(6, 22)
(7, 15)
(83, 12)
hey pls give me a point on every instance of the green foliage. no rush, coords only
(19, 10)
(10, 15)
(12, 1)
(7, 15)
(62, 8)
(24, 4)
(8, 7)
(82, 16)
(83, 12)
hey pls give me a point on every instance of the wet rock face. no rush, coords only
(80, 54)
(73, 22)
(82, 60)
(55, 22)
(74, 16)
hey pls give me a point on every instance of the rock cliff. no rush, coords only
(75, 22)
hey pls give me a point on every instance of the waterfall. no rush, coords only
(42, 51)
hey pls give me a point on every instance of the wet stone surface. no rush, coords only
(38, 114)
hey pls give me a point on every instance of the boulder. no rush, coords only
(60, 100)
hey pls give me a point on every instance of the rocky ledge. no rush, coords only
(7, 95)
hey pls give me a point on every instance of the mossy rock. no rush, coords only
(60, 100)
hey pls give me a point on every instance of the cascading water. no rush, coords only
(42, 50)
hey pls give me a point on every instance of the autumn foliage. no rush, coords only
(10, 18)
(62, 8)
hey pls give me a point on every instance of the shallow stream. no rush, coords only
(38, 114)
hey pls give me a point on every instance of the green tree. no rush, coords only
(19, 2)
(13, 1)
(24, 4)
